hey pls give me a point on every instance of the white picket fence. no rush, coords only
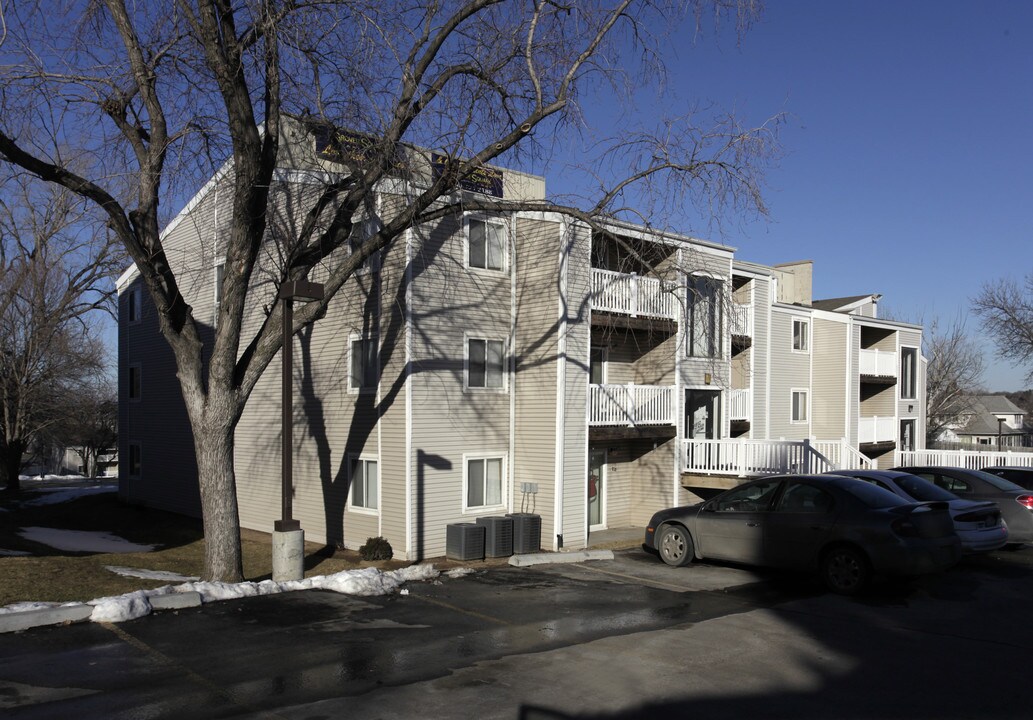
(631, 405)
(971, 459)
(634, 295)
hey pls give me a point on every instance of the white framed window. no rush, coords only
(362, 231)
(484, 482)
(801, 410)
(134, 382)
(364, 486)
(908, 373)
(133, 305)
(907, 434)
(485, 243)
(363, 370)
(703, 336)
(801, 335)
(135, 463)
(485, 364)
(597, 366)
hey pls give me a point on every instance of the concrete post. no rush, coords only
(288, 555)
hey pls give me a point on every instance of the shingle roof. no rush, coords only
(833, 304)
(999, 405)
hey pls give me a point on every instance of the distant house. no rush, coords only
(506, 362)
(990, 420)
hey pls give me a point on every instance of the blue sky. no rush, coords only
(907, 146)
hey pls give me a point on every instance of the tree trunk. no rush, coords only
(213, 443)
(11, 465)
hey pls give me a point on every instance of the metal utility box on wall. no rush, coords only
(464, 541)
(527, 532)
(498, 536)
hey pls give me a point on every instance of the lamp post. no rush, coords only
(288, 537)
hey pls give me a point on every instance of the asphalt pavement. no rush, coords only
(626, 638)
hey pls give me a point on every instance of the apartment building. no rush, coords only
(508, 362)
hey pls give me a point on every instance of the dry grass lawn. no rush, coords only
(60, 576)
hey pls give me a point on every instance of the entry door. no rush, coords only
(596, 488)
(702, 414)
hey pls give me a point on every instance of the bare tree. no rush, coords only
(54, 274)
(1007, 313)
(953, 375)
(159, 99)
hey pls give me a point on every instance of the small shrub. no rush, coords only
(376, 548)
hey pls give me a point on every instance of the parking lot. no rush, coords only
(625, 638)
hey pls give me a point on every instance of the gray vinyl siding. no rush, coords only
(829, 387)
(759, 357)
(450, 301)
(574, 457)
(789, 371)
(536, 353)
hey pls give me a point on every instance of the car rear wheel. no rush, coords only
(845, 570)
(675, 545)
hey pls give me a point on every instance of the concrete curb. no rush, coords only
(16, 621)
(65, 614)
(564, 557)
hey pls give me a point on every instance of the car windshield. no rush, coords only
(998, 482)
(921, 489)
(873, 496)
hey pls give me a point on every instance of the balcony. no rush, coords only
(742, 320)
(878, 363)
(740, 405)
(630, 405)
(876, 430)
(633, 295)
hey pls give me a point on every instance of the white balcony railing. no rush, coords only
(634, 295)
(740, 404)
(971, 459)
(631, 405)
(769, 457)
(876, 429)
(882, 363)
(742, 320)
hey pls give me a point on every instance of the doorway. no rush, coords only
(596, 489)
(702, 414)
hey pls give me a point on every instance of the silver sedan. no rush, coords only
(845, 529)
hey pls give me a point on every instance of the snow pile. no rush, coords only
(82, 540)
(365, 582)
(148, 574)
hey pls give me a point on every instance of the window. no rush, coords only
(364, 491)
(801, 498)
(134, 460)
(486, 244)
(363, 375)
(907, 434)
(800, 408)
(483, 482)
(908, 372)
(133, 305)
(485, 363)
(801, 336)
(755, 497)
(597, 366)
(704, 310)
(363, 231)
(133, 390)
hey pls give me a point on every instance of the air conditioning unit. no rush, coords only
(464, 541)
(498, 536)
(527, 532)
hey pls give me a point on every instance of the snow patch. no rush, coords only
(82, 540)
(14, 553)
(53, 496)
(149, 574)
(459, 572)
(364, 582)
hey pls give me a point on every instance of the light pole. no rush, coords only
(288, 537)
